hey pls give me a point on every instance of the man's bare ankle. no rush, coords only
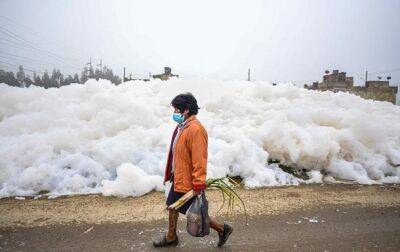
(171, 237)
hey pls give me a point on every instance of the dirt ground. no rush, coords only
(343, 217)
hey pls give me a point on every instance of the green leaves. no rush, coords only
(226, 186)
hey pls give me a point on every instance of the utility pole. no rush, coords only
(101, 66)
(124, 75)
(90, 62)
(90, 67)
(366, 77)
(248, 75)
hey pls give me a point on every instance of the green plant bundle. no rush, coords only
(226, 186)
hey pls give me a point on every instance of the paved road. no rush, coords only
(336, 228)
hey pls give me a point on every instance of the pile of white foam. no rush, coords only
(111, 139)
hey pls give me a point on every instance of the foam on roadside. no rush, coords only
(111, 139)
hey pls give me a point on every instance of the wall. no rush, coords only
(376, 93)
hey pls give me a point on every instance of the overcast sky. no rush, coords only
(279, 40)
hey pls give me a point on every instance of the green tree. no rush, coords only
(46, 80)
(68, 80)
(109, 75)
(27, 81)
(76, 78)
(84, 76)
(8, 78)
(37, 81)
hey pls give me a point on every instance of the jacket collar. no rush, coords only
(191, 118)
(186, 122)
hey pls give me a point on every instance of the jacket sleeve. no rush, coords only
(198, 149)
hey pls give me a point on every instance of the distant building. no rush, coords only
(166, 75)
(398, 96)
(338, 81)
(134, 79)
(126, 78)
(376, 84)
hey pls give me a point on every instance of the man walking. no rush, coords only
(186, 166)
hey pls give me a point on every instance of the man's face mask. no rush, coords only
(178, 117)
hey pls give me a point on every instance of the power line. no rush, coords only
(44, 64)
(387, 71)
(11, 64)
(21, 46)
(18, 37)
(40, 35)
(30, 30)
(22, 57)
(25, 43)
(6, 67)
(24, 64)
(66, 64)
(375, 72)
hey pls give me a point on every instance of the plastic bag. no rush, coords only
(198, 220)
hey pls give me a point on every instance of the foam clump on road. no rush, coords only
(101, 138)
(131, 181)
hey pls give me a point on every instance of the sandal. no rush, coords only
(165, 243)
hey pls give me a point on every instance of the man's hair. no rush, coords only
(185, 101)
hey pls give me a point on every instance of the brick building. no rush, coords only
(338, 81)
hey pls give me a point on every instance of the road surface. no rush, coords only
(303, 218)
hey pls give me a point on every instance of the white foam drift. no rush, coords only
(113, 139)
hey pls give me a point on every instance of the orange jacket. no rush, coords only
(190, 157)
